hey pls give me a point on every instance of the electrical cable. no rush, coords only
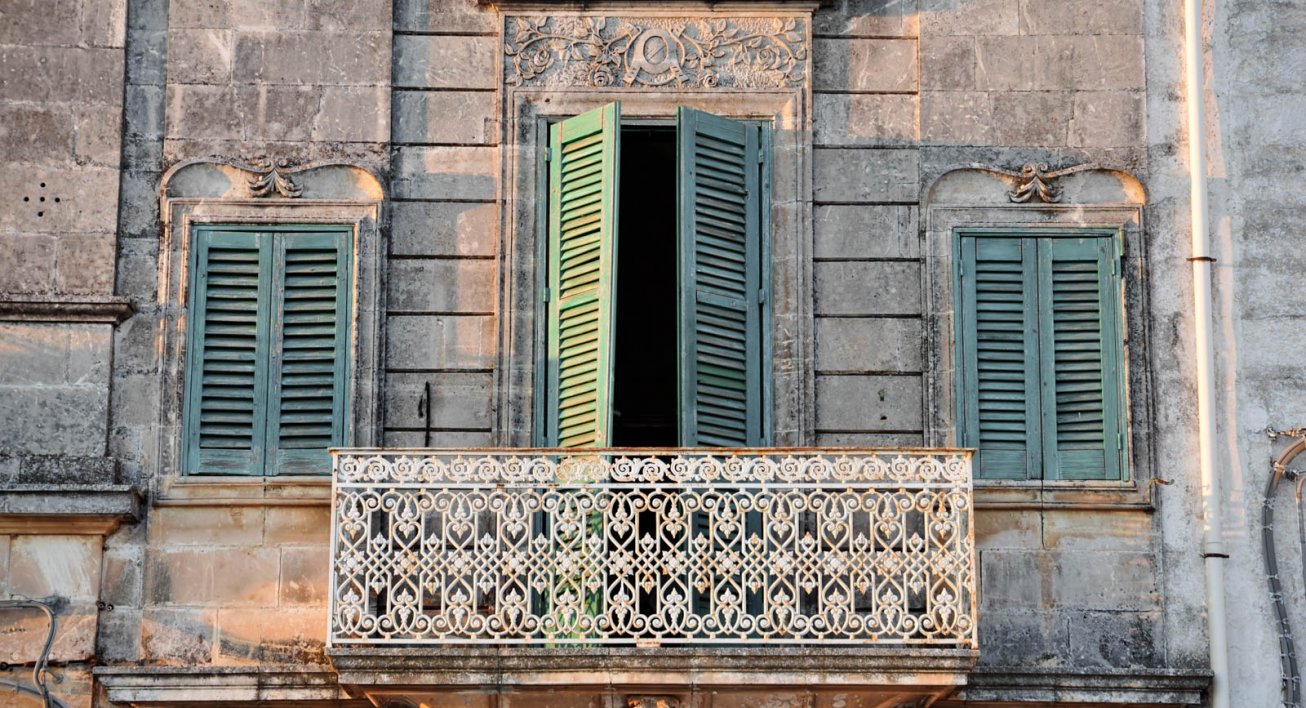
(38, 669)
(1289, 670)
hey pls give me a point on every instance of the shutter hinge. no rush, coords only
(761, 296)
(1120, 441)
(545, 294)
(548, 154)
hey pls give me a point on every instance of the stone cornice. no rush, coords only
(1021, 685)
(67, 509)
(219, 686)
(88, 309)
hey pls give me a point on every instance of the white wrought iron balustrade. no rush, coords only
(653, 546)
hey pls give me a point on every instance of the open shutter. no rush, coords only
(227, 372)
(309, 342)
(583, 173)
(1079, 320)
(720, 283)
(1000, 357)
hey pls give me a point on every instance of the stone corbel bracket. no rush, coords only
(1034, 182)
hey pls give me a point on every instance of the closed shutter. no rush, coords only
(305, 403)
(998, 318)
(720, 283)
(225, 399)
(582, 266)
(1081, 361)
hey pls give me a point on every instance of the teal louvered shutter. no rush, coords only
(227, 374)
(583, 170)
(1081, 358)
(309, 343)
(1000, 356)
(720, 200)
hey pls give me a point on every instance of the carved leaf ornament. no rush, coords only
(674, 53)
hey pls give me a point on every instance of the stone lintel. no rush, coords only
(88, 309)
(669, 667)
(66, 509)
(204, 686)
(1136, 687)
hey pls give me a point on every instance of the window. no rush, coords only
(266, 363)
(656, 337)
(1040, 354)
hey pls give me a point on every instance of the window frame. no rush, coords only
(539, 411)
(217, 190)
(527, 111)
(1095, 197)
(265, 467)
(1117, 344)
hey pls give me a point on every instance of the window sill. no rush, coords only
(218, 490)
(1085, 495)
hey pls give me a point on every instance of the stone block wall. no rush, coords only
(61, 80)
(866, 253)
(100, 97)
(442, 294)
(61, 112)
(240, 586)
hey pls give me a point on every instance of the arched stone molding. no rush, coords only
(1033, 196)
(222, 190)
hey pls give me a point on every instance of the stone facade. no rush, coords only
(416, 120)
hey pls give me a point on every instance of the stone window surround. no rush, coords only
(217, 191)
(528, 111)
(791, 245)
(1092, 199)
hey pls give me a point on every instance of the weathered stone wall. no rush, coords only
(866, 255)
(442, 293)
(224, 575)
(61, 86)
(1256, 134)
(903, 91)
(61, 68)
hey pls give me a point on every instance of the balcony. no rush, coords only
(559, 569)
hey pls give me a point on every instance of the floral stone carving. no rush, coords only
(656, 52)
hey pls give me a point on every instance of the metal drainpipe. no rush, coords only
(1213, 551)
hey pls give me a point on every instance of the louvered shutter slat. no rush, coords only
(582, 261)
(1081, 359)
(720, 265)
(225, 410)
(1001, 363)
(310, 316)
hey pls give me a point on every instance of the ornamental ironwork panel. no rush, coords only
(647, 547)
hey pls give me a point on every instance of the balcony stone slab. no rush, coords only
(436, 676)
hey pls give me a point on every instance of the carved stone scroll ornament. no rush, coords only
(652, 702)
(659, 52)
(271, 177)
(1034, 181)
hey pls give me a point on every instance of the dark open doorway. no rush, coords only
(644, 394)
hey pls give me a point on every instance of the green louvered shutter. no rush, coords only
(720, 284)
(1000, 357)
(1081, 358)
(227, 373)
(310, 338)
(583, 173)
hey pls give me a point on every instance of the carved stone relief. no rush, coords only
(1035, 182)
(652, 702)
(656, 52)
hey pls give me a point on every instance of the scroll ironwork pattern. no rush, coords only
(662, 547)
